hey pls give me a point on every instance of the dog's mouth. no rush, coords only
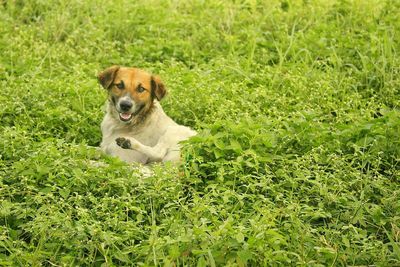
(129, 115)
(125, 116)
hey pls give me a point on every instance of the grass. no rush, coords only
(297, 158)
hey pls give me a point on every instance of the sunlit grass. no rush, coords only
(297, 158)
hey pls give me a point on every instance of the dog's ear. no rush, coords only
(107, 76)
(157, 88)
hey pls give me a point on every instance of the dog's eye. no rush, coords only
(140, 89)
(120, 85)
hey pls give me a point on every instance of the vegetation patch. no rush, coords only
(298, 152)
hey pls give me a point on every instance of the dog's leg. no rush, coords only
(111, 148)
(156, 153)
(167, 148)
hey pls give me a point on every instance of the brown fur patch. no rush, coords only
(133, 79)
(140, 85)
(158, 87)
(107, 76)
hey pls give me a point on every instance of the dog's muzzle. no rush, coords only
(127, 109)
(126, 114)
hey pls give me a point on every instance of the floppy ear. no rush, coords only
(106, 77)
(157, 88)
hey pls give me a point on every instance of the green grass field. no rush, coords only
(297, 161)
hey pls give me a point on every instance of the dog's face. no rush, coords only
(131, 91)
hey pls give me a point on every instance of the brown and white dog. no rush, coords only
(135, 127)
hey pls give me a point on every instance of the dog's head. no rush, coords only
(132, 91)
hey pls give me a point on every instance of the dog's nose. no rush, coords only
(125, 105)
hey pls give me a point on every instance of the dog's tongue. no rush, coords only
(125, 116)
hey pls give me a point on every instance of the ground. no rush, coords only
(297, 158)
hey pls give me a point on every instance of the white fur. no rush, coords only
(156, 139)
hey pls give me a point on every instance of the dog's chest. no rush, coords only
(147, 133)
(148, 136)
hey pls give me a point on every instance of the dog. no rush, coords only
(135, 128)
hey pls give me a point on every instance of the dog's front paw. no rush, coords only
(123, 142)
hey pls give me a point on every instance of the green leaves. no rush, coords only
(297, 157)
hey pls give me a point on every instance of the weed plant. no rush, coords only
(297, 158)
